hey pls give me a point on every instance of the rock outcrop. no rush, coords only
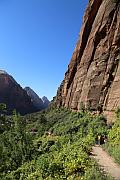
(93, 75)
(37, 101)
(46, 102)
(12, 94)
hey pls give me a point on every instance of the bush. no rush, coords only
(113, 145)
(61, 154)
(95, 173)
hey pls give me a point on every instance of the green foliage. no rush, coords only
(82, 108)
(2, 108)
(53, 144)
(16, 145)
(113, 145)
(4, 124)
(94, 172)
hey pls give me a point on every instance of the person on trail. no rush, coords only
(102, 139)
(99, 140)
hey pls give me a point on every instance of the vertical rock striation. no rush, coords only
(93, 75)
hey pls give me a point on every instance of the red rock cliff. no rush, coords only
(12, 94)
(93, 75)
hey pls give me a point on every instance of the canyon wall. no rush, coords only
(14, 96)
(93, 75)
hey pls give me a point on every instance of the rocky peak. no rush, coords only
(37, 101)
(14, 96)
(93, 75)
(3, 72)
(44, 99)
(46, 102)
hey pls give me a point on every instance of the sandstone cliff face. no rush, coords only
(93, 75)
(12, 94)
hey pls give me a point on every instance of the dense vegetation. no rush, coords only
(52, 144)
(113, 145)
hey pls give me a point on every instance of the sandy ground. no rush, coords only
(106, 162)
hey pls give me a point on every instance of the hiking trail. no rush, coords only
(106, 162)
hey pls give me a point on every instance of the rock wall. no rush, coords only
(39, 103)
(93, 75)
(12, 94)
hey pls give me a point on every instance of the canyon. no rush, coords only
(15, 97)
(93, 75)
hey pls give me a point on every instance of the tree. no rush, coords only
(4, 124)
(23, 138)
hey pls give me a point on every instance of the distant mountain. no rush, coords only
(46, 102)
(3, 72)
(37, 101)
(14, 96)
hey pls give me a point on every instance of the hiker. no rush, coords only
(102, 139)
(97, 139)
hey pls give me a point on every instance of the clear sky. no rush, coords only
(37, 39)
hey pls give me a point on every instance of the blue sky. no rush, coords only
(37, 39)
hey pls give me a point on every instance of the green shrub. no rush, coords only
(95, 173)
(61, 154)
(113, 145)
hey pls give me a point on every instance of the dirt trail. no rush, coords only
(106, 162)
